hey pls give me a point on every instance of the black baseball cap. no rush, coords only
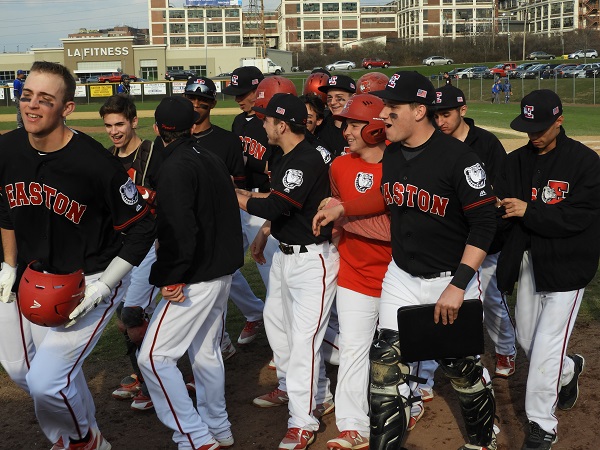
(449, 97)
(175, 113)
(341, 82)
(201, 87)
(321, 70)
(408, 87)
(243, 80)
(286, 107)
(539, 110)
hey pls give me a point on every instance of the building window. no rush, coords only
(568, 22)
(328, 7)
(368, 19)
(196, 28)
(7, 75)
(150, 73)
(196, 40)
(392, 19)
(232, 26)
(298, 22)
(270, 25)
(176, 13)
(331, 34)
(232, 39)
(195, 13)
(171, 68)
(213, 13)
(214, 40)
(232, 13)
(199, 70)
(349, 34)
(214, 27)
(177, 28)
(177, 41)
(312, 35)
(348, 7)
(311, 7)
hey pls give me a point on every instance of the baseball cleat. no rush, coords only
(142, 402)
(96, 442)
(426, 394)
(129, 388)
(297, 439)
(250, 332)
(210, 446)
(415, 416)
(349, 440)
(228, 351)
(273, 398)
(567, 397)
(505, 365)
(322, 409)
(226, 441)
(538, 438)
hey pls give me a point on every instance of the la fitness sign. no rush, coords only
(87, 52)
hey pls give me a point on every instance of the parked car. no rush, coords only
(295, 69)
(341, 65)
(587, 53)
(369, 63)
(89, 80)
(437, 61)
(224, 74)
(517, 71)
(580, 70)
(592, 73)
(478, 72)
(548, 71)
(501, 70)
(557, 72)
(533, 72)
(540, 55)
(179, 75)
(114, 77)
(461, 73)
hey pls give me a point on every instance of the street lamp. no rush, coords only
(508, 30)
(525, 16)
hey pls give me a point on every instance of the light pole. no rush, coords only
(508, 30)
(525, 16)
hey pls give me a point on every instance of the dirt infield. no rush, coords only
(261, 429)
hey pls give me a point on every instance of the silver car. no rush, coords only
(587, 53)
(341, 65)
(437, 61)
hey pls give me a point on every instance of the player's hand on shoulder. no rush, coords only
(8, 275)
(447, 306)
(173, 292)
(95, 292)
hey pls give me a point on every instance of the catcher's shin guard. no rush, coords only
(389, 411)
(476, 398)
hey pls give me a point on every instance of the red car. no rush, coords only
(369, 63)
(114, 77)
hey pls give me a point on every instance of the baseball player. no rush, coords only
(86, 215)
(141, 163)
(363, 263)
(17, 92)
(304, 269)
(339, 89)
(436, 190)
(200, 246)
(450, 111)
(547, 191)
(124, 86)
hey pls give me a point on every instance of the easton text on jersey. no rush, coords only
(253, 148)
(405, 195)
(34, 194)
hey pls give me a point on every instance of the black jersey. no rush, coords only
(439, 201)
(142, 165)
(199, 229)
(256, 149)
(298, 184)
(488, 147)
(332, 138)
(71, 209)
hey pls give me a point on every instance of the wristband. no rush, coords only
(463, 276)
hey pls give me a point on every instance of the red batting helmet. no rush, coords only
(271, 86)
(372, 81)
(47, 299)
(312, 84)
(365, 108)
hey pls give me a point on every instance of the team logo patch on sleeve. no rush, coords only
(475, 176)
(324, 154)
(363, 182)
(292, 179)
(129, 192)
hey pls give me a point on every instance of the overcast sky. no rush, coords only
(39, 23)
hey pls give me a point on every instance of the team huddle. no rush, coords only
(357, 200)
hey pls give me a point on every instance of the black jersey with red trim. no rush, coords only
(256, 148)
(199, 229)
(71, 209)
(488, 147)
(439, 201)
(299, 182)
(332, 138)
(227, 146)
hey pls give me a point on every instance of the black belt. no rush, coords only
(431, 276)
(289, 249)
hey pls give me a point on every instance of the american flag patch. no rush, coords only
(255, 81)
(280, 110)
(421, 93)
(555, 111)
(459, 99)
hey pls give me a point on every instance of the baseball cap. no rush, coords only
(243, 80)
(175, 113)
(449, 97)
(539, 110)
(20, 72)
(321, 70)
(341, 82)
(286, 107)
(408, 87)
(201, 87)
